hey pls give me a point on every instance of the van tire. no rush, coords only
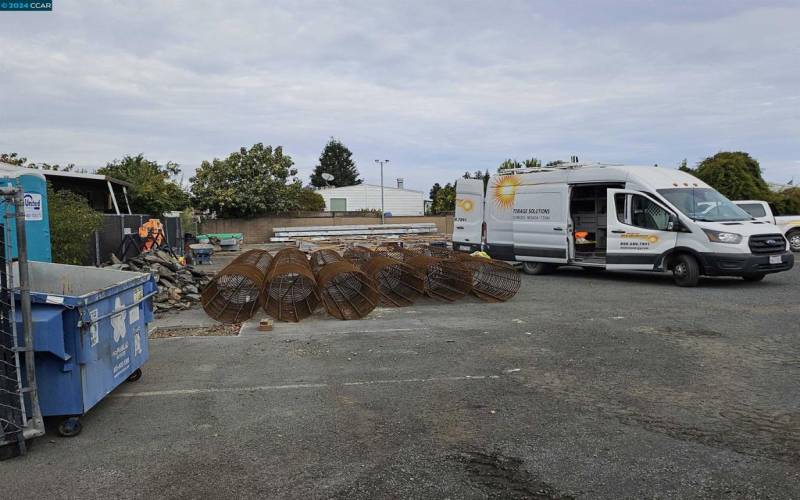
(537, 268)
(794, 240)
(686, 270)
(754, 277)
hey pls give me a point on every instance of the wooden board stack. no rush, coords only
(370, 235)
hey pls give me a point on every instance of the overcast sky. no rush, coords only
(437, 87)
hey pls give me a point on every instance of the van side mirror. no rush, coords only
(672, 220)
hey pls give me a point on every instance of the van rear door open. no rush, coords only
(639, 230)
(540, 223)
(468, 221)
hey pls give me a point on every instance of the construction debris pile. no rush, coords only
(179, 286)
(291, 285)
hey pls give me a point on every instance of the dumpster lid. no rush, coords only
(75, 285)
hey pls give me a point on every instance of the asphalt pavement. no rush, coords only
(601, 385)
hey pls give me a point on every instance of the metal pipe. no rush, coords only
(25, 302)
(127, 203)
(113, 196)
(383, 210)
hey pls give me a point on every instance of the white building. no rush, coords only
(396, 200)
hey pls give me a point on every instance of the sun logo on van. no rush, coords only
(504, 189)
(466, 205)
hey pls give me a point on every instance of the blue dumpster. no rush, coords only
(89, 334)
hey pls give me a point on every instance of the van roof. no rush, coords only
(651, 177)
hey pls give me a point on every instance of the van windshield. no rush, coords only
(704, 204)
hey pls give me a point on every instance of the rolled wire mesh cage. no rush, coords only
(437, 251)
(347, 292)
(393, 250)
(359, 255)
(290, 290)
(492, 280)
(323, 256)
(234, 294)
(398, 283)
(445, 279)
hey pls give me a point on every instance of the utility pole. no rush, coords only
(383, 211)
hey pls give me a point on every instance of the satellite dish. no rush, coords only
(328, 177)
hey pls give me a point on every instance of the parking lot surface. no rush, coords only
(597, 385)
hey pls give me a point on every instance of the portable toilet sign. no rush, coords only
(37, 223)
(33, 207)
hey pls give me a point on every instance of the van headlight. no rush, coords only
(722, 237)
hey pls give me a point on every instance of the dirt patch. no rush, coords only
(197, 331)
(499, 476)
(680, 332)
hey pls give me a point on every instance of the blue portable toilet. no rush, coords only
(37, 218)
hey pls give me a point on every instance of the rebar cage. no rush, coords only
(359, 255)
(445, 279)
(290, 291)
(398, 283)
(391, 249)
(347, 292)
(492, 280)
(234, 295)
(323, 256)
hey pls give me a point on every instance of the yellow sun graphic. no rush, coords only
(466, 205)
(505, 189)
(652, 238)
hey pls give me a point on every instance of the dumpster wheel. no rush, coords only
(70, 427)
(135, 375)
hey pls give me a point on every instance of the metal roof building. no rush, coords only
(397, 200)
(105, 194)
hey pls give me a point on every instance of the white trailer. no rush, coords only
(618, 218)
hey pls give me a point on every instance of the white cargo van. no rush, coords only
(618, 218)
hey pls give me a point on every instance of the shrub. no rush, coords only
(72, 222)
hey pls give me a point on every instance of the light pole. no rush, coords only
(381, 162)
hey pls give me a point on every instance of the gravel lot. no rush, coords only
(584, 385)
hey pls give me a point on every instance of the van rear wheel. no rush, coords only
(538, 268)
(686, 271)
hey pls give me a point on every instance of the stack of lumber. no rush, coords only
(345, 236)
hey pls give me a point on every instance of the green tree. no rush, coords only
(787, 202)
(21, 161)
(336, 160)
(444, 200)
(304, 199)
(735, 174)
(152, 189)
(72, 222)
(434, 190)
(69, 167)
(13, 159)
(532, 163)
(247, 183)
(684, 167)
(509, 164)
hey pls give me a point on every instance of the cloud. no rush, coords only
(437, 87)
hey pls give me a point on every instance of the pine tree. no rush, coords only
(336, 160)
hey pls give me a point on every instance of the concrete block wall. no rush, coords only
(260, 229)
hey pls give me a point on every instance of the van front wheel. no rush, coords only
(686, 271)
(537, 268)
(794, 239)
